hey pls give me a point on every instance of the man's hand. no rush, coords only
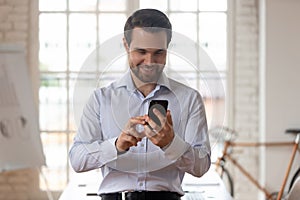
(160, 135)
(130, 136)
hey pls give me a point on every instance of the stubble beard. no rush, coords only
(158, 69)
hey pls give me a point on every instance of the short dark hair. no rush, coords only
(150, 19)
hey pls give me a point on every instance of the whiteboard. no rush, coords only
(20, 143)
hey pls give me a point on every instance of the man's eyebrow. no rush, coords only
(139, 49)
(161, 49)
(145, 49)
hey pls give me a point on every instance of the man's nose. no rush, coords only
(148, 59)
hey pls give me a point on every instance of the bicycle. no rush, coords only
(227, 137)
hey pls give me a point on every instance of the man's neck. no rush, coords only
(144, 88)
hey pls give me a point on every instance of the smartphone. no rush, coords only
(161, 105)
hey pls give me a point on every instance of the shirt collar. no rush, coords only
(126, 81)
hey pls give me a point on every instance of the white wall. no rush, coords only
(245, 92)
(280, 83)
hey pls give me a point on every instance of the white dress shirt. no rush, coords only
(145, 167)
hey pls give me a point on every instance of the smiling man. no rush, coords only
(147, 51)
(141, 159)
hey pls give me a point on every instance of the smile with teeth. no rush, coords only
(148, 69)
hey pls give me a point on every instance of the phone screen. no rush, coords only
(161, 105)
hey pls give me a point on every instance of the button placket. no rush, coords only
(142, 149)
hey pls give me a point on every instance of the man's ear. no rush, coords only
(126, 45)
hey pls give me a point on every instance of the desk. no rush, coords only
(210, 186)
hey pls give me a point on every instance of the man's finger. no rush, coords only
(152, 125)
(125, 141)
(169, 118)
(137, 120)
(149, 131)
(160, 116)
(133, 132)
(132, 122)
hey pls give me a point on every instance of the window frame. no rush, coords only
(131, 6)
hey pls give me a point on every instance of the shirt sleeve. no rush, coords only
(89, 150)
(189, 151)
(194, 143)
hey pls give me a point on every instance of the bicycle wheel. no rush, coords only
(296, 175)
(227, 180)
(275, 194)
(285, 194)
(222, 133)
(218, 136)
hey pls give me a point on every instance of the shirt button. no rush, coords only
(142, 145)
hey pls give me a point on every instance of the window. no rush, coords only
(69, 31)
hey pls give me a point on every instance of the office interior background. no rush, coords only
(254, 44)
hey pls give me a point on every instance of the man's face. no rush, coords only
(147, 54)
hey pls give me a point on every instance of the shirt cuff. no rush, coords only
(176, 148)
(109, 148)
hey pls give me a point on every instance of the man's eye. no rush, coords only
(141, 51)
(159, 52)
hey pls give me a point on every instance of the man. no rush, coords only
(140, 159)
